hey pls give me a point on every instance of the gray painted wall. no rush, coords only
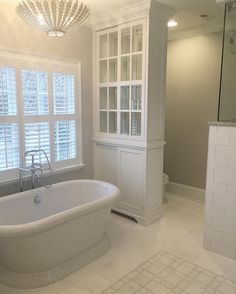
(193, 76)
(17, 36)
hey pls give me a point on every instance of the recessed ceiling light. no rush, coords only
(172, 23)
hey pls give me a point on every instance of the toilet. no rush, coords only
(165, 183)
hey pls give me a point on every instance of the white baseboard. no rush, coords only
(187, 192)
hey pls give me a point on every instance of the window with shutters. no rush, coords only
(39, 109)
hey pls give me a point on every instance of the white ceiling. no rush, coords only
(187, 12)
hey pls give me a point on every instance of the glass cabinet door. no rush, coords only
(113, 110)
(124, 123)
(113, 70)
(137, 38)
(103, 71)
(136, 123)
(137, 67)
(125, 68)
(112, 122)
(120, 78)
(124, 97)
(125, 41)
(136, 97)
(103, 121)
(103, 46)
(113, 98)
(103, 98)
(103, 109)
(113, 44)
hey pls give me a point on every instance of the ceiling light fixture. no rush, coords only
(56, 17)
(172, 23)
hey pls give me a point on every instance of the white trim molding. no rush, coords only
(137, 11)
(194, 32)
(187, 192)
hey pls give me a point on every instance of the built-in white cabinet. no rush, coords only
(129, 91)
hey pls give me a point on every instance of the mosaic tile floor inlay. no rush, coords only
(165, 273)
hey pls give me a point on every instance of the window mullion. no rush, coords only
(5, 143)
(51, 118)
(20, 114)
(37, 91)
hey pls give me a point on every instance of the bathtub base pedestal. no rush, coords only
(36, 280)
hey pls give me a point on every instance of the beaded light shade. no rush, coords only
(56, 17)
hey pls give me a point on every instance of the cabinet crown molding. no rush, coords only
(139, 10)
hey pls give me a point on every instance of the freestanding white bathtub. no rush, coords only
(45, 234)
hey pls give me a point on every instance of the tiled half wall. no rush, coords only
(220, 211)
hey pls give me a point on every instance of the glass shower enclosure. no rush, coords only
(227, 102)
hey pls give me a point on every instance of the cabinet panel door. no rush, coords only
(130, 180)
(106, 164)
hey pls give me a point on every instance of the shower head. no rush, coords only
(232, 6)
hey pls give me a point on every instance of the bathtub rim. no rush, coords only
(20, 230)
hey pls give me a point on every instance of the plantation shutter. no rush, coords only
(39, 109)
(9, 136)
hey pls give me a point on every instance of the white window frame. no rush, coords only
(20, 62)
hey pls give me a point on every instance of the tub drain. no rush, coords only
(37, 199)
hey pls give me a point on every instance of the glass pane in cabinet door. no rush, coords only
(103, 98)
(136, 97)
(125, 41)
(112, 122)
(124, 97)
(113, 97)
(103, 71)
(137, 37)
(103, 121)
(103, 46)
(113, 70)
(113, 44)
(137, 67)
(125, 68)
(136, 124)
(124, 123)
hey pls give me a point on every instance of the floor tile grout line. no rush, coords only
(202, 269)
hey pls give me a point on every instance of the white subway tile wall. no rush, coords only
(220, 209)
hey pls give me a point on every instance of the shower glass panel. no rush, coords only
(227, 105)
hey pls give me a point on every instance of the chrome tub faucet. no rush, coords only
(37, 171)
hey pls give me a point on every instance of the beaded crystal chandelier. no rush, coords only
(56, 17)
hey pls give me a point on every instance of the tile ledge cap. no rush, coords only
(222, 123)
